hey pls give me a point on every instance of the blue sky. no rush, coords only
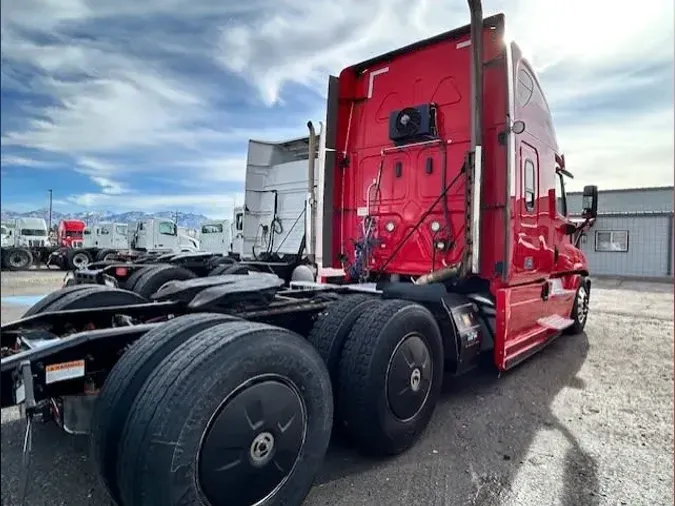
(127, 105)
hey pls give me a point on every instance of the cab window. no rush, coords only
(239, 222)
(212, 229)
(167, 228)
(560, 197)
(105, 231)
(121, 230)
(530, 185)
(525, 87)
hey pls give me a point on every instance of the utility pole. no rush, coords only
(50, 210)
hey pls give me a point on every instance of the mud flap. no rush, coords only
(470, 331)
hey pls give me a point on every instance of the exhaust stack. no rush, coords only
(311, 197)
(475, 165)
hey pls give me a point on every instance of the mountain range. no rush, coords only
(188, 220)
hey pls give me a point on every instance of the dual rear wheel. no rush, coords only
(212, 409)
(217, 410)
(385, 359)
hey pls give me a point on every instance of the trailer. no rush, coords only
(26, 244)
(444, 231)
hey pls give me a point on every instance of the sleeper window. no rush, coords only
(530, 185)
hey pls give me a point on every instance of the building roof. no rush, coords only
(636, 189)
(628, 200)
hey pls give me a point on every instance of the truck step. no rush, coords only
(555, 322)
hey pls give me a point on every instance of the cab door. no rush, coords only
(565, 257)
(528, 244)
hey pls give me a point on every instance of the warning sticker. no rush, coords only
(64, 371)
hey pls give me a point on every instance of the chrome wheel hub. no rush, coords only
(261, 449)
(415, 379)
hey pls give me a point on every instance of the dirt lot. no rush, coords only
(587, 422)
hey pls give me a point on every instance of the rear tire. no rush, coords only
(18, 259)
(218, 270)
(135, 276)
(332, 328)
(78, 259)
(106, 255)
(125, 381)
(153, 279)
(237, 269)
(217, 261)
(249, 399)
(391, 373)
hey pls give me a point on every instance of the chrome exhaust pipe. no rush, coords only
(311, 197)
(473, 164)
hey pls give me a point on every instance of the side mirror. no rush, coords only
(569, 229)
(589, 201)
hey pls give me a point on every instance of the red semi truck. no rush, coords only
(70, 233)
(434, 183)
(444, 207)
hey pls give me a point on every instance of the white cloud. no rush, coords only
(22, 161)
(216, 170)
(133, 109)
(101, 173)
(617, 156)
(108, 186)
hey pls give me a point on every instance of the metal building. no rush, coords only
(633, 233)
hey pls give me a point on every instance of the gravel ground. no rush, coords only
(587, 422)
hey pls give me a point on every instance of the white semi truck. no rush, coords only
(107, 236)
(25, 244)
(161, 236)
(6, 235)
(107, 241)
(215, 236)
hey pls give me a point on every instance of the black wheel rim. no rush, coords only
(252, 443)
(409, 377)
(17, 260)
